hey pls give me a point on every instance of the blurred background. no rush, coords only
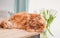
(9, 7)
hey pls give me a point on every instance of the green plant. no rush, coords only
(49, 17)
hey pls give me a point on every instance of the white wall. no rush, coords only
(48, 4)
(7, 5)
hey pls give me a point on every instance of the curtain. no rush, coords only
(21, 5)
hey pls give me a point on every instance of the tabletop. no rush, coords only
(15, 33)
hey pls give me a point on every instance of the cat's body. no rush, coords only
(25, 21)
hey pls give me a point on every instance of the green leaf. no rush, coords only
(44, 15)
(50, 32)
(50, 20)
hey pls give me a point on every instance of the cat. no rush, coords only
(25, 21)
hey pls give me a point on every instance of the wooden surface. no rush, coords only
(15, 33)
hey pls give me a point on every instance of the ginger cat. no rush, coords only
(25, 21)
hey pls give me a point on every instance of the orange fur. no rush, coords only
(26, 21)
